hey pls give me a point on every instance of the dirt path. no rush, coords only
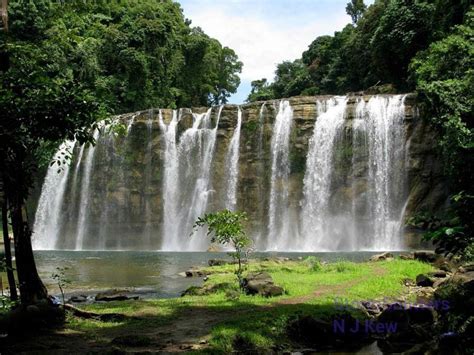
(192, 330)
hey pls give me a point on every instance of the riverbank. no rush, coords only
(225, 320)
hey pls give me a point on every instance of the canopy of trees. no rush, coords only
(400, 46)
(376, 49)
(64, 65)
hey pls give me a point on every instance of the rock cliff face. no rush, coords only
(124, 205)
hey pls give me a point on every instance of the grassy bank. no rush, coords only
(218, 319)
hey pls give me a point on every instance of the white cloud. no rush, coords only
(262, 42)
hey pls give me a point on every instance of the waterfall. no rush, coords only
(316, 221)
(279, 227)
(327, 175)
(232, 164)
(386, 143)
(147, 232)
(48, 213)
(170, 183)
(85, 194)
(190, 171)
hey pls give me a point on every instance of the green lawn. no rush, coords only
(309, 290)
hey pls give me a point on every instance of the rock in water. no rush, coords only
(114, 295)
(381, 257)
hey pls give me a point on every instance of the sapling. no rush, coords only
(225, 228)
(60, 277)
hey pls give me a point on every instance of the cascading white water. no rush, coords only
(191, 171)
(315, 215)
(232, 165)
(147, 232)
(280, 225)
(48, 213)
(351, 196)
(386, 144)
(85, 194)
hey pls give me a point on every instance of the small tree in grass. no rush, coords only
(225, 227)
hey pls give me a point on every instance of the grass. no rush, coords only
(256, 321)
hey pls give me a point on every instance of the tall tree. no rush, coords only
(355, 9)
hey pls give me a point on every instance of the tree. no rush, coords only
(261, 91)
(355, 9)
(226, 228)
(66, 65)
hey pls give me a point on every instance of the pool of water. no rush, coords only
(148, 274)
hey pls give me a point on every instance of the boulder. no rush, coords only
(424, 281)
(114, 295)
(261, 283)
(381, 257)
(426, 256)
(78, 299)
(458, 290)
(340, 331)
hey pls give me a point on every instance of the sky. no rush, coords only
(264, 33)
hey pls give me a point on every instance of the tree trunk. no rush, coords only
(8, 252)
(32, 288)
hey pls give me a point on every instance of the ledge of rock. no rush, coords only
(115, 295)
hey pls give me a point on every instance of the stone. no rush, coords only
(114, 295)
(372, 308)
(466, 268)
(426, 256)
(381, 257)
(407, 256)
(261, 283)
(458, 290)
(206, 289)
(193, 272)
(341, 330)
(424, 281)
(78, 299)
(437, 274)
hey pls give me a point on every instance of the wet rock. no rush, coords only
(424, 281)
(261, 283)
(381, 257)
(114, 295)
